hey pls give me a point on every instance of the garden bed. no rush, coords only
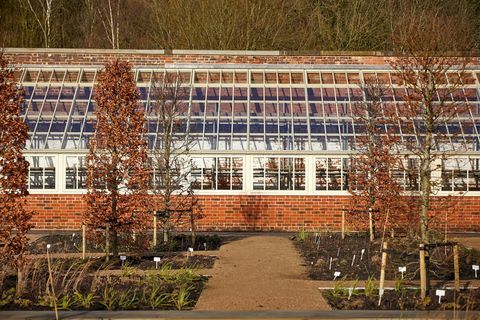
(97, 285)
(72, 243)
(318, 249)
(401, 299)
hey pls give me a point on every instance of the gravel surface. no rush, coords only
(260, 273)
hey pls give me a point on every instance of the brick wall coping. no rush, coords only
(202, 58)
(198, 52)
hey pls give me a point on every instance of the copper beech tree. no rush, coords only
(371, 183)
(117, 162)
(14, 217)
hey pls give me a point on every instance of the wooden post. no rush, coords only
(52, 285)
(343, 223)
(84, 241)
(423, 272)
(370, 219)
(384, 264)
(456, 268)
(154, 229)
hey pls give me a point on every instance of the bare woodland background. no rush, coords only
(221, 24)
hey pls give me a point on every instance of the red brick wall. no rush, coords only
(248, 213)
(148, 58)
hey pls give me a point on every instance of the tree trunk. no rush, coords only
(166, 230)
(107, 242)
(114, 242)
(193, 229)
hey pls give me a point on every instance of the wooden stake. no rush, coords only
(384, 264)
(456, 268)
(84, 241)
(154, 230)
(53, 287)
(343, 223)
(423, 273)
(370, 218)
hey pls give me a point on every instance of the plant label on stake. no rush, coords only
(123, 258)
(350, 291)
(48, 247)
(353, 260)
(190, 251)
(157, 260)
(338, 252)
(361, 254)
(402, 270)
(330, 265)
(440, 293)
(205, 246)
(336, 274)
(475, 268)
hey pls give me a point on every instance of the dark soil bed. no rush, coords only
(72, 243)
(402, 299)
(319, 249)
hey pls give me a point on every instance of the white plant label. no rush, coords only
(73, 235)
(475, 268)
(157, 260)
(338, 252)
(48, 246)
(190, 250)
(402, 270)
(353, 260)
(350, 291)
(361, 254)
(336, 274)
(123, 258)
(330, 265)
(205, 246)
(440, 293)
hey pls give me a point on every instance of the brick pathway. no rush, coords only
(260, 273)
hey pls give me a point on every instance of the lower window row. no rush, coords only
(268, 173)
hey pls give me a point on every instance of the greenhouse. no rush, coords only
(258, 129)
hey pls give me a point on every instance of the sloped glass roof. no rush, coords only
(234, 109)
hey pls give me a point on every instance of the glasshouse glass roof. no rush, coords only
(232, 109)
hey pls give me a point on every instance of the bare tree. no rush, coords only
(42, 11)
(171, 156)
(110, 17)
(432, 74)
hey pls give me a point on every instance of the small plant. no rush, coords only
(84, 301)
(7, 297)
(65, 303)
(109, 298)
(127, 300)
(153, 299)
(302, 235)
(180, 298)
(399, 285)
(127, 270)
(370, 287)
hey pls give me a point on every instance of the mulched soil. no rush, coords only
(72, 243)
(403, 299)
(318, 249)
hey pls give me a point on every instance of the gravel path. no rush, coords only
(260, 273)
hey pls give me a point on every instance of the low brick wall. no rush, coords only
(249, 212)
